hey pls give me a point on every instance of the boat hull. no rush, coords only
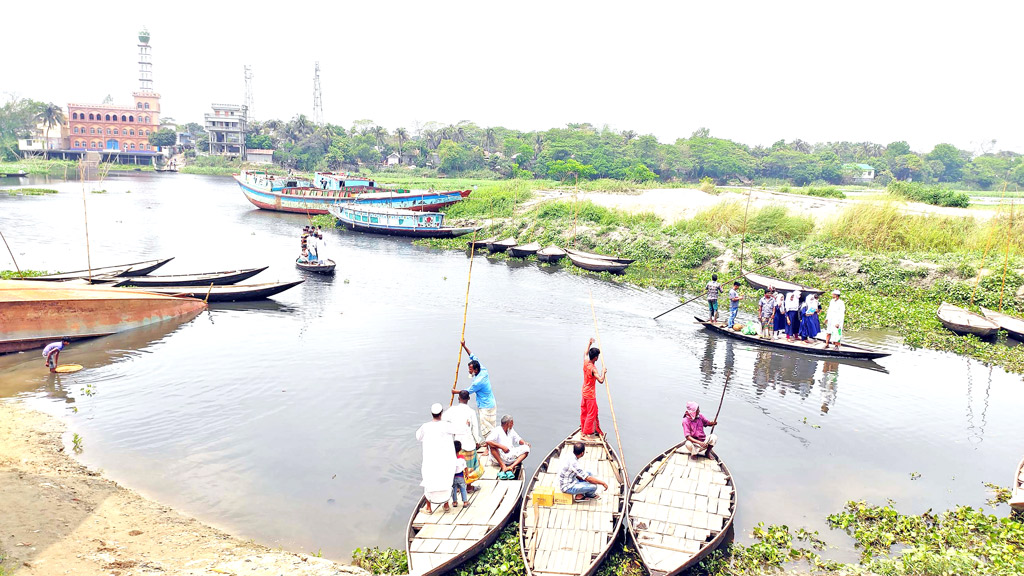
(214, 278)
(760, 282)
(844, 351)
(232, 293)
(121, 271)
(524, 251)
(593, 256)
(409, 232)
(34, 314)
(964, 322)
(302, 204)
(595, 265)
(326, 269)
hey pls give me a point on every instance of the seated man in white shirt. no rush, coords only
(507, 448)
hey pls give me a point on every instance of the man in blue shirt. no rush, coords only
(485, 403)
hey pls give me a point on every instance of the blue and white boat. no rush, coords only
(395, 221)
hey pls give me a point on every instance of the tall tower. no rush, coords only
(145, 62)
(318, 102)
(248, 92)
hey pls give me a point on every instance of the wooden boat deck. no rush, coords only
(442, 540)
(963, 321)
(679, 510)
(573, 539)
(815, 346)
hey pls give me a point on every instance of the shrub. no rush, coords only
(935, 195)
(707, 185)
(826, 192)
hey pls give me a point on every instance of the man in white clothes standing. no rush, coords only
(438, 468)
(834, 320)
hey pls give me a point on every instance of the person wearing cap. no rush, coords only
(734, 303)
(766, 312)
(438, 459)
(481, 386)
(834, 319)
(507, 448)
(697, 441)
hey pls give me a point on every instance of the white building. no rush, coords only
(226, 128)
(259, 156)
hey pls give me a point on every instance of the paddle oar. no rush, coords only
(465, 312)
(611, 406)
(12, 256)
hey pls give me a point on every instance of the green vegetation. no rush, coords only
(9, 274)
(929, 194)
(29, 191)
(381, 561)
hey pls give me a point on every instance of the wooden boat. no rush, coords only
(595, 265)
(501, 245)
(33, 314)
(1013, 326)
(123, 270)
(215, 278)
(480, 244)
(18, 174)
(524, 250)
(395, 222)
(550, 254)
(573, 539)
(324, 266)
(762, 282)
(441, 541)
(1017, 496)
(593, 256)
(325, 189)
(962, 321)
(229, 293)
(814, 347)
(680, 510)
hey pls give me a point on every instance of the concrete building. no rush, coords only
(858, 173)
(259, 156)
(226, 128)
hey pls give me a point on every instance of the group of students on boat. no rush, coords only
(311, 242)
(783, 312)
(452, 437)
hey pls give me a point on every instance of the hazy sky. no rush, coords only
(755, 72)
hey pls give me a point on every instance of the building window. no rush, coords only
(92, 130)
(131, 132)
(74, 115)
(115, 132)
(147, 147)
(138, 105)
(124, 118)
(108, 117)
(131, 118)
(108, 130)
(133, 145)
(147, 105)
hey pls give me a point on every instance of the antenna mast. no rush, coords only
(318, 102)
(248, 91)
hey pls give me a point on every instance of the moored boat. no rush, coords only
(962, 321)
(815, 347)
(1013, 326)
(571, 539)
(395, 222)
(18, 174)
(550, 254)
(596, 265)
(1017, 496)
(228, 293)
(524, 250)
(33, 314)
(322, 266)
(480, 244)
(501, 245)
(205, 279)
(680, 509)
(761, 282)
(122, 270)
(440, 541)
(594, 256)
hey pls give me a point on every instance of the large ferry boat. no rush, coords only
(316, 195)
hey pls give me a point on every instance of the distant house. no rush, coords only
(861, 173)
(259, 156)
(392, 159)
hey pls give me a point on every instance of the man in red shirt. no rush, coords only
(589, 424)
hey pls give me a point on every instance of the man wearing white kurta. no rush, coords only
(834, 320)
(464, 420)
(507, 447)
(438, 467)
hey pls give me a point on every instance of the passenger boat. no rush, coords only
(501, 245)
(571, 539)
(594, 256)
(962, 321)
(444, 539)
(1017, 496)
(596, 265)
(762, 282)
(550, 254)
(395, 222)
(229, 293)
(322, 266)
(524, 250)
(215, 278)
(680, 510)
(1013, 326)
(33, 314)
(815, 347)
(123, 270)
(316, 195)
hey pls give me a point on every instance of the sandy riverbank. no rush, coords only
(59, 517)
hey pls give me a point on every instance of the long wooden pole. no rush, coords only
(611, 406)
(1006, 260)
(743, 240)
(12, 256)
(720, 402)
(984, 255)
(465, 313)
(85, 214)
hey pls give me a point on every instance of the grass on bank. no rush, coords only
(9, 274)
(29, 191)
(64, 168)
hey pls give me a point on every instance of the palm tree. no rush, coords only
(401, 136)
(460, 134)
(538, 144)
(49, 116)
(490, 139)
(380, 134)
(433, 138)
(628, 135)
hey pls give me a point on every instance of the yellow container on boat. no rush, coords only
(544, 495)
(563, 498)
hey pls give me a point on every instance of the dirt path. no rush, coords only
(58, 517)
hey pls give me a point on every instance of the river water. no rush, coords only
(291, 421)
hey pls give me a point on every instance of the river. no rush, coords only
(291, 421)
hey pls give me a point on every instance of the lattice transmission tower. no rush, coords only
(318, 101)
(248, 92)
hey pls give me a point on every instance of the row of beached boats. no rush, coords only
(586, 260)
(675, 511)
(985, 325)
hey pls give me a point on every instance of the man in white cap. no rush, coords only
(834, 320)
(438, 468)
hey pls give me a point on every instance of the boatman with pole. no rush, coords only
(52, 353)
(589, 424)
(697, 442)
(834, 319)
(481, 386)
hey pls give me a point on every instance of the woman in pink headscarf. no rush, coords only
(697, 442)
